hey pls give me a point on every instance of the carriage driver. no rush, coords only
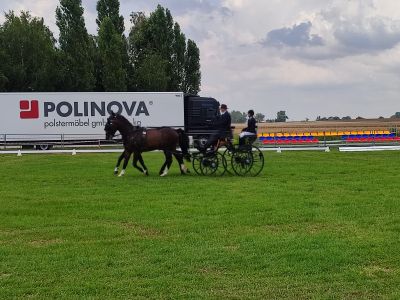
(250, 131)
(222, 125)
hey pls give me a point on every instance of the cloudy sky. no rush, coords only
(308, 57)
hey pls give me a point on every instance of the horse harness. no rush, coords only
(138, 137)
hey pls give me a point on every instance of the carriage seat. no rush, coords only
(246, 142)
(249, 139)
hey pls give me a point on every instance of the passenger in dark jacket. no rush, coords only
(250, 132)
(222, 126)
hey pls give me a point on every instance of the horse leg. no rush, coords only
(145, 171)
(136, 157)
(118, 163)
(182, 167)
(127, 155)
(167, 164)
(164, 164)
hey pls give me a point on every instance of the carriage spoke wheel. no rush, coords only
(227, 161)
(258, 162)
(196, 162)
(241, 162)
(213, 164)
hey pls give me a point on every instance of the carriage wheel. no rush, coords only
(227, 161)
(241, 162)
(258, 162)
(209, 164)
(196, 162)
(213, 164)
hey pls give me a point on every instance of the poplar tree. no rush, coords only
(178, 59)
(75, 45)
(158, 38)
(136, 47)
(192, 69)
(152, 75)
(109, 9)
(113, 74)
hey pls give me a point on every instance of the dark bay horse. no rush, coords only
(137, 140)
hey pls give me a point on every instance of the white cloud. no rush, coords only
(355, 71)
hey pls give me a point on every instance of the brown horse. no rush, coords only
(137, 140)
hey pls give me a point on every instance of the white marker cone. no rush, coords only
(19, 153)
(327, 149)
(279, 150)
(74, 152)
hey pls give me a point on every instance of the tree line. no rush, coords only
(241, 117)
(346, 118)
(155, 56)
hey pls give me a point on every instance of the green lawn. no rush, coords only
(312, 225)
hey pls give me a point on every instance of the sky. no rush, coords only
(308, 57)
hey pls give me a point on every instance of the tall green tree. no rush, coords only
(3, 82)
(192, 69)
(178, 59)
(159, 35)
(110, 9)
(75, 45)
(27, 54)
(3, 65)
(137, 36)
(136, 47)
(152, 75)
(97, 63)
(113, 74)
(155, 45)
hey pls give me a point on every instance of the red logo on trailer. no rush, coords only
(29, 109)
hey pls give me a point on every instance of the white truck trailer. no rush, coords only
(46, 119)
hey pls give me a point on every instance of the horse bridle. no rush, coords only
(114, 135)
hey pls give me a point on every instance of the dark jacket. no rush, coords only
(223, 124)
(251, 125)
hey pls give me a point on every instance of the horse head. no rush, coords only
(111, 126)
(117, 122)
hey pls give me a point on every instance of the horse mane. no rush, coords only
(126, 123)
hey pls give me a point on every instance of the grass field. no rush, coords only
(312, 225)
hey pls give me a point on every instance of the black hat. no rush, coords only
(251, 112)
(223, 106)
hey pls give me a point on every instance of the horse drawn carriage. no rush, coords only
(225, 157)
(242, 160)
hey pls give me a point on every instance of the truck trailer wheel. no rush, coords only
(200, 141)
(44, 147)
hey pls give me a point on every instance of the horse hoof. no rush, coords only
(146, 173)
(115, 172)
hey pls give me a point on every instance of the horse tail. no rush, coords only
(184, 143)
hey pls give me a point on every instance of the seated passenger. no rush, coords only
(249, 132)
(222, 126)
